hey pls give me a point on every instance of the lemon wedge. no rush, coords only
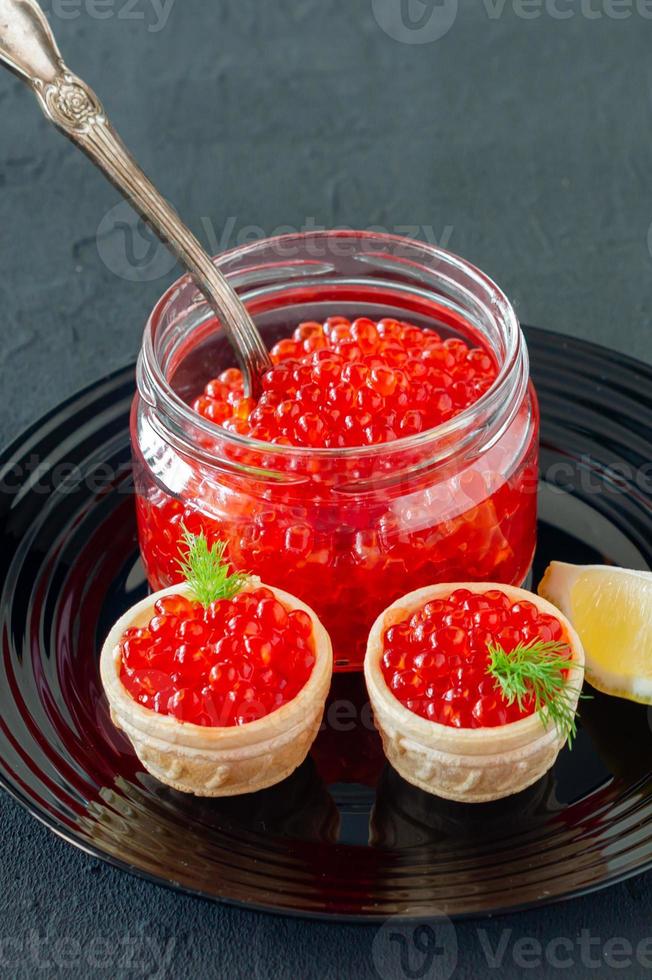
(611, 609)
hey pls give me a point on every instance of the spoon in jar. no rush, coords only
(28, 48)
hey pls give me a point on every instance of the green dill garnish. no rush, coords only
(206, 570)
(536, 670)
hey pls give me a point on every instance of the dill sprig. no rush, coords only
(536, 670)
(206, 570)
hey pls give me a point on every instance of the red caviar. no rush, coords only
(435, 661)
(228, 664)
(340, 384)
(348, 532)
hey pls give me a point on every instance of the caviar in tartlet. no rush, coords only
(343, 383)
(458, 645)
(221, 658)
(478, 660)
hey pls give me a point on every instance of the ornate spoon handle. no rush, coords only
(28, 48)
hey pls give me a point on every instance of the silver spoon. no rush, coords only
(28, 48)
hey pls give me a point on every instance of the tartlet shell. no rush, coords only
(219, 761)
(466, 765)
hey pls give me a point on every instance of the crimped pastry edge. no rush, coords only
(219, 761)
(466, 765)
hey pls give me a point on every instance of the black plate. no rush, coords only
(344, 836)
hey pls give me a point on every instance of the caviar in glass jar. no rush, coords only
(339, 384)
(395, 443)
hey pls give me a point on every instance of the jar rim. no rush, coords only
(489, 402)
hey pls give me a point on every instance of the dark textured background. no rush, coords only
(523, 144)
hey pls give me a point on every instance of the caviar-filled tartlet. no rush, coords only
(474, 688)
(219, 682)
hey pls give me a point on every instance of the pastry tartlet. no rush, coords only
(484, 750)
(217, 759)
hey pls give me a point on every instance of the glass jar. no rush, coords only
(347, 530)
